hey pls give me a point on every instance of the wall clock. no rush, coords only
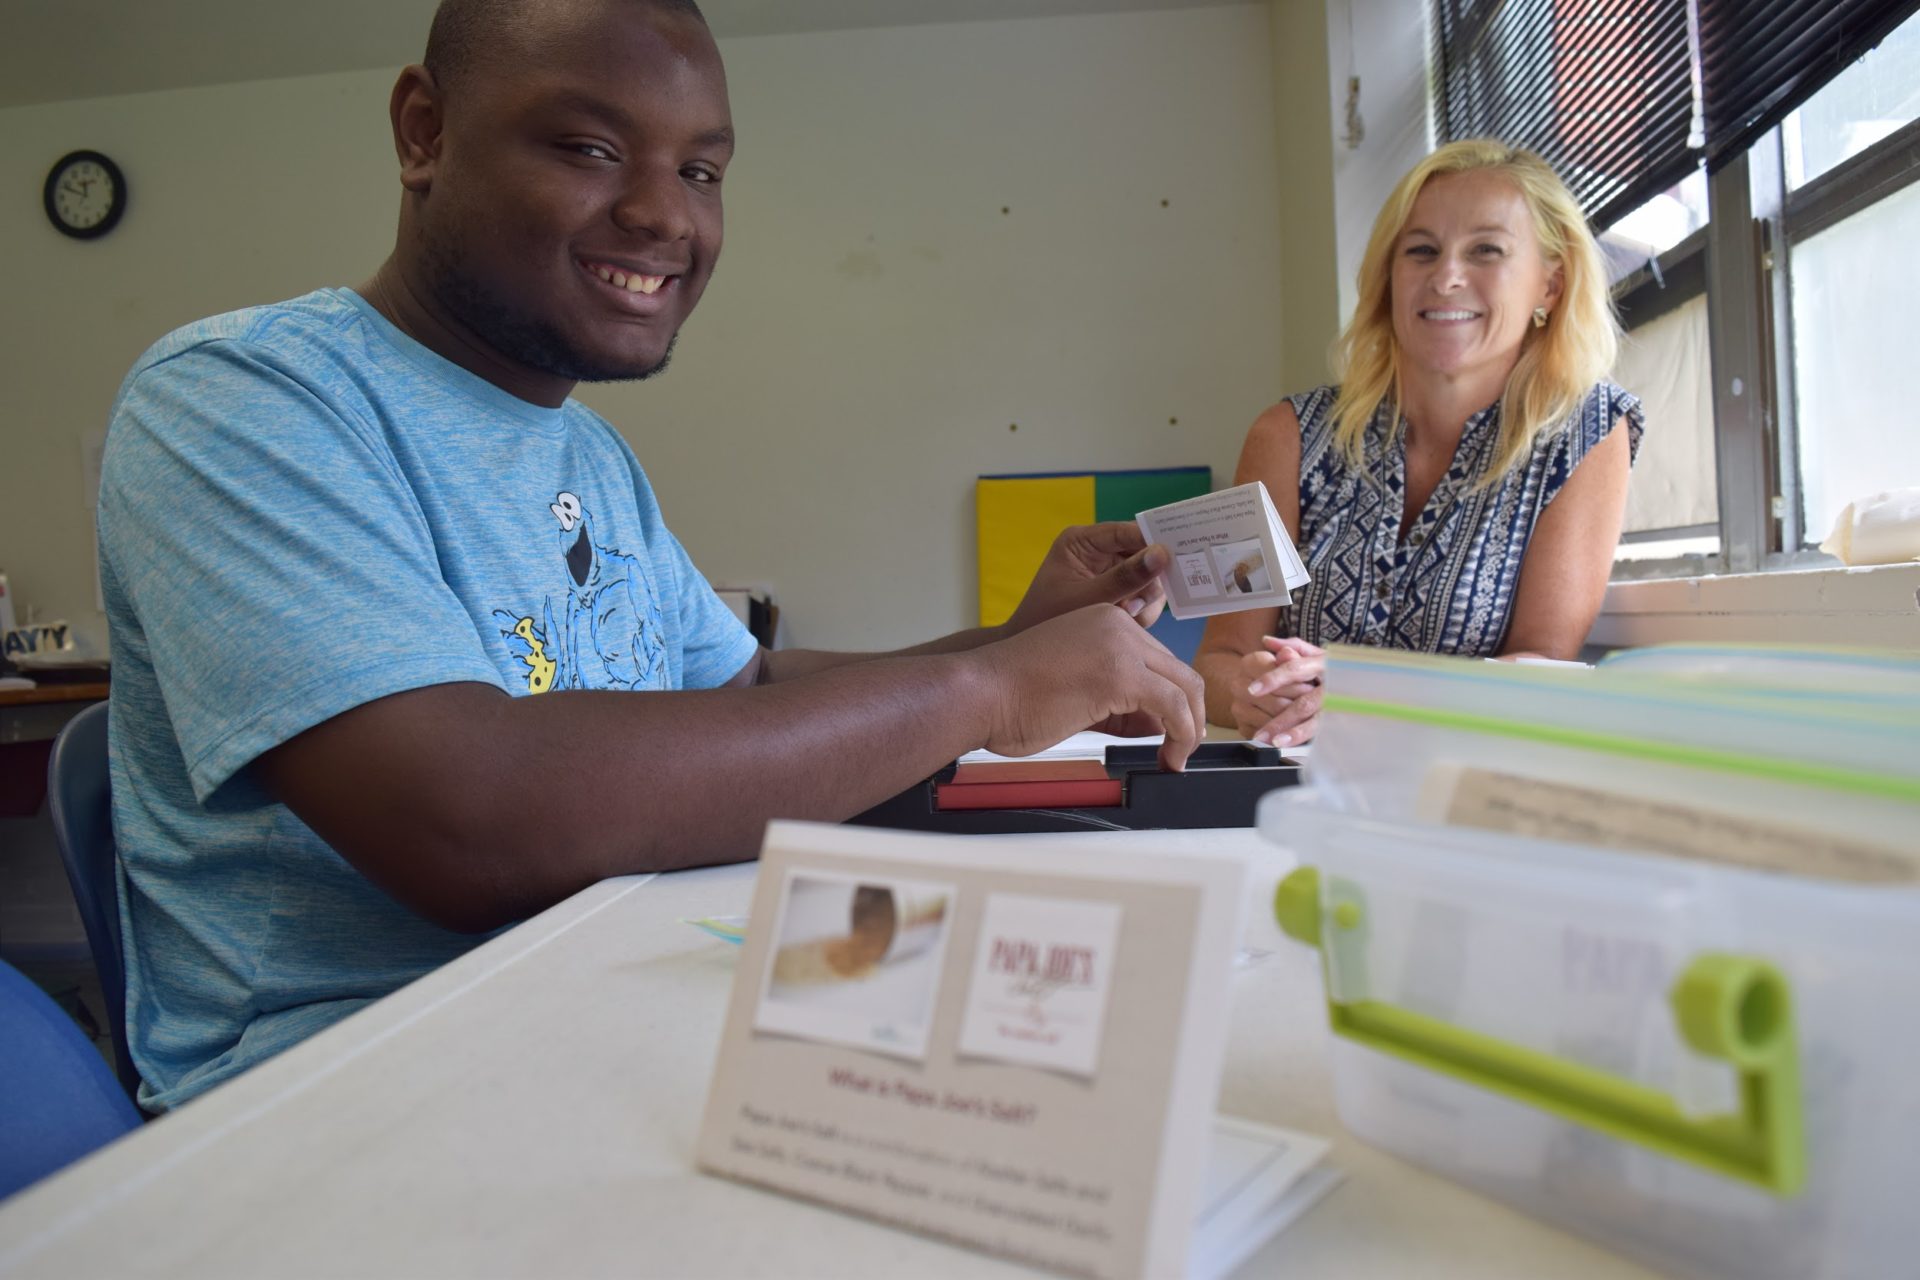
(85, 194)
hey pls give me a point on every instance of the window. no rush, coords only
(1673, 508)
(1767, 282)
(1604, 92)
(1866, 103)
(1658, 256)
(1656, 226)
(1851, 224)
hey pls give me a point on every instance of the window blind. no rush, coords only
(1625, 97)
(1601, 89)
(1759, 59)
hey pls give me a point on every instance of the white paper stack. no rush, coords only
(1258, 1180)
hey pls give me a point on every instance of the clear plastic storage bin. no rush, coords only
(1711, 1068)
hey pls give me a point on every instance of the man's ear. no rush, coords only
(415, 111)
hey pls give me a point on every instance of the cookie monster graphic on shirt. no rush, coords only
(607, 632)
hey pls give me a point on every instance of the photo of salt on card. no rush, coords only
(1230, 552)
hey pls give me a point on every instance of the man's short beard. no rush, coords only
(516, 335)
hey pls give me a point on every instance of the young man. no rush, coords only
(343, 537)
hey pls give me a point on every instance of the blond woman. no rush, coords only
(1461, 489)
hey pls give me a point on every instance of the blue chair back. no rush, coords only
(82, 809)
(58, 1101)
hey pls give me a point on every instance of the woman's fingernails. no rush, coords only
(1134, 606)
(1282, 740)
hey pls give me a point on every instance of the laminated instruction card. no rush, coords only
(1230, 552)
(1009, 1044)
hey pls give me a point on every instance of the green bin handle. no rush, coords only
(1730, 1007)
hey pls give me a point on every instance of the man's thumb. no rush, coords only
(1135, 572)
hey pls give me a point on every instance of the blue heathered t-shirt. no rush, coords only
(302, 510)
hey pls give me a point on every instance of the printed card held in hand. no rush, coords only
(1230, 552)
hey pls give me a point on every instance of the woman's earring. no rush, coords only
(1539, 317)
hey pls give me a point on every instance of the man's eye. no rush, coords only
(592, 150)
(699, 173)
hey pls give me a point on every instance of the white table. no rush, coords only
(531, 1109)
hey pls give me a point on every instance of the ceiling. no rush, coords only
(61, 49)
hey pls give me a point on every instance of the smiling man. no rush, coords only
(346, 538)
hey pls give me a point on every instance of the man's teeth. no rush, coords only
(1448, 315)
(632, 284)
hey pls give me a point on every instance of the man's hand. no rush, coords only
(1093, 668)
(1095, 564)
(1276, 691)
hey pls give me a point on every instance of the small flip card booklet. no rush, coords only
(1230, 552)
(1008, 1044)
(1259, 1179)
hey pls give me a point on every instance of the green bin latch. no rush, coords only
(1733, 1008)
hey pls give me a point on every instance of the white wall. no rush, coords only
(1384, 44)
(240, 194)
(1311, 297)
(875, 325)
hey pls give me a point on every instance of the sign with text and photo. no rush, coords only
(1230, 552)
(1012, 1044)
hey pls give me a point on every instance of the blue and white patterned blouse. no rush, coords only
(1449, 586)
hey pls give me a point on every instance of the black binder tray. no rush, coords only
(1221, 787)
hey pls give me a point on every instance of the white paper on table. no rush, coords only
(1088, 744)
(1258, 1180)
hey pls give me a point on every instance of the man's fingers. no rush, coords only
(1091, 564)
(1183, 732)
(1114, 537)
(1196, 687)
(1135, 575)
(1177, 695)
(1134, 724)
(1163, 704)
(1094, 665)
(1146, 603)
(1146, 612)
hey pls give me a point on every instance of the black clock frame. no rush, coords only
(114, 211)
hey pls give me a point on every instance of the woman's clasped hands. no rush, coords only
(1276, 691)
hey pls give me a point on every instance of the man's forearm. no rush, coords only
(787, 664)
(475, 808)
(503, 806)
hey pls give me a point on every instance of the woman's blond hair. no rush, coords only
(1558, 364)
